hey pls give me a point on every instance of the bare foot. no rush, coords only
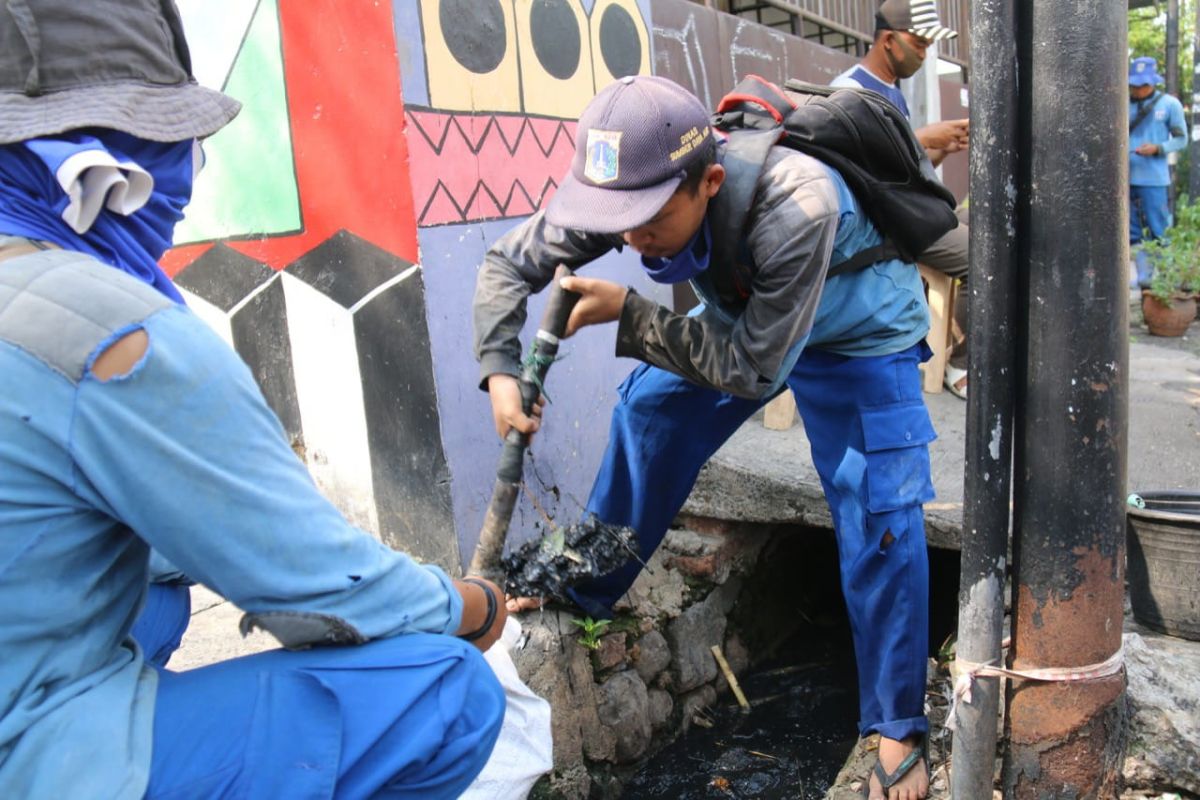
(516, 605)
(915, 783)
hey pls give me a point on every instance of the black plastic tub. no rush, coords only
(1164, 561)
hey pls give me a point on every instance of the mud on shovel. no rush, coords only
(486, 559)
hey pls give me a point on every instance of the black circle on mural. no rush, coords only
(620, 43)
(555, 31)
(474, 31)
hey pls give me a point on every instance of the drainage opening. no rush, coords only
(802, 687)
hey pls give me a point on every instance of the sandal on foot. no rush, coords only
(889, 779)
(953, 376)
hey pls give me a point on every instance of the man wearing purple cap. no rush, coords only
(125, 424)
(1156, 128)
(648, 174)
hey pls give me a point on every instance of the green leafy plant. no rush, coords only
(1176, 257)
(590, 631)
(948, 651)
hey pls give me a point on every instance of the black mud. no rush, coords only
(790, 745)
(547, 567)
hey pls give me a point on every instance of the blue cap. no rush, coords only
(1144, 72)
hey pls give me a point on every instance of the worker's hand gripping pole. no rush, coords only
(486, 560)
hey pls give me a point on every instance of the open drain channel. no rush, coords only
(803, 693)
(791, 744)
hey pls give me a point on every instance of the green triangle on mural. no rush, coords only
(248, 185)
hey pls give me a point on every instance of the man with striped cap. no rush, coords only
(904, 29)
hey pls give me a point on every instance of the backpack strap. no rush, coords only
(745, 153)
(865, 258)
(1144, 110)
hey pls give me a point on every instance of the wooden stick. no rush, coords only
(728, 673)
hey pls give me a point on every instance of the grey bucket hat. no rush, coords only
(119, 64)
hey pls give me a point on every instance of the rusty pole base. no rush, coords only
(1072, 740)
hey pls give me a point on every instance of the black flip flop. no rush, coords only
(889, 779)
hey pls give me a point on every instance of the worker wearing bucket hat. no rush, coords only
(127, 424)
(1156, 129)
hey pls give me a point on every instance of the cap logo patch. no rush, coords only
(689, 142)
(603, 155)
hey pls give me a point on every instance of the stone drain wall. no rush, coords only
(654, 673)
(653, 670)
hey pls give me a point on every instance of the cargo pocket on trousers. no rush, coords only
(896, 441)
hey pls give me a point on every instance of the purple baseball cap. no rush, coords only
(634, 142)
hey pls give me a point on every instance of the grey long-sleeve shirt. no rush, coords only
(802, 219)
(790, 231)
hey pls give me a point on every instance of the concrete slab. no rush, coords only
(763, 475)
(212, 634)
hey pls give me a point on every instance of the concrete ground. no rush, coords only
(766, 475)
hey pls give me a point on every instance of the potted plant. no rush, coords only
(1169, 304)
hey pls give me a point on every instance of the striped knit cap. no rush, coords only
(918, 17)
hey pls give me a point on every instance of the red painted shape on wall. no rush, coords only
(175, 259)
(347, 122)
(468, 167)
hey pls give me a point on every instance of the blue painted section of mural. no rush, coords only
(406, 18)
(566, 454)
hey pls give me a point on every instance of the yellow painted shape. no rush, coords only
(602, 76)
(452, 86)
(544, 94)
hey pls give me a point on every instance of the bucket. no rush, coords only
(1164, 561)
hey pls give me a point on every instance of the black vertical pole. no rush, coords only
(1066, 740)
(993, 313)
(1172, 54)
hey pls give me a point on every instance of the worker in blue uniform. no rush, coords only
(1156, 129)
(126, 424)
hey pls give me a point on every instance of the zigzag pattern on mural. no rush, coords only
(470, 167)
(482, 204)
(436, 126)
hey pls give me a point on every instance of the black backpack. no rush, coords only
(858, 133)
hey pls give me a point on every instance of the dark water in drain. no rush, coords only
(790, 745)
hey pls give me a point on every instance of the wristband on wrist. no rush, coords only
(492, 606)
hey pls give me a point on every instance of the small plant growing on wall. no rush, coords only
(590, 631)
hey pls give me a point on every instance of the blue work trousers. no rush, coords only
(1149, 213)
(413, 716)
(1149, 218)
(869, 431)
(159, 628)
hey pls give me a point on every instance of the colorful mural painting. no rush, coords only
(339, 222)
(492, 91)
(301, 246)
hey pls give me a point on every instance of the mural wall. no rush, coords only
(338, 225)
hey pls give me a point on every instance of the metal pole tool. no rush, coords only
(486, 559)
